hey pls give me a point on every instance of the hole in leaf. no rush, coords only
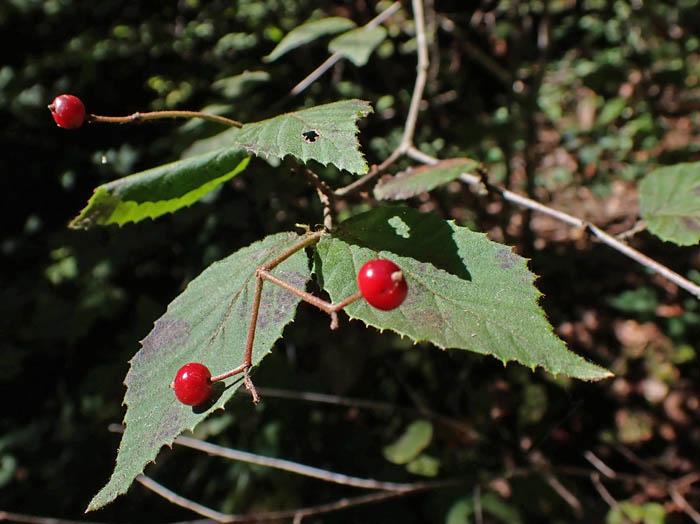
(310, 136)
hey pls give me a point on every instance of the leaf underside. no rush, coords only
(309, 32)
(489, 306)
(357, 45)
(407, 184)
(669, 200)
(163, 189)
(207, 323)
(325, 133)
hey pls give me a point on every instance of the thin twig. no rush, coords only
(335, 57)
(324, 306)
(421, 76)
(373, 173)
(181, 501)
(410, 125)
(565, 494)
(478, 510)
(290, 466)
(602, 490)
(337, 400)
(599, 464)
(680, 501)
(155, 115)
(325, 194)
(301, 513)
(6, 516)
(640, 226)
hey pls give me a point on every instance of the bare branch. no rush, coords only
(297, 514)
(155, 115)
(181, 501)
(6, 516)
(599, 464)
(455, 425)
(680, 501)
(626, 250)
(421, 76)
(292, 467)
(602, 490)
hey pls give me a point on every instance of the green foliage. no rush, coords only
(610, 97)
(412, 182)
(669, 198)
(462, 511)
(163, 189)
(631, 513)
(324, 133)
(207, 323)
(465, 291)
(359, 44)
(416, 437)
(308, 32)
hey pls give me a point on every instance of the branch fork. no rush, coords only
(263, 273)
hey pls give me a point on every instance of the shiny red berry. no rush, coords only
(382, 284)
(192, 384)
(68, 111)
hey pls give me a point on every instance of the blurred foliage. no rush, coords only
(570, 101)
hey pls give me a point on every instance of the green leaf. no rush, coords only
(424, 465)
(611, 111)
(669, 201)
(357, 45)
(464, 291)
(220, 140)
(463, 509)
(325, 133)
(409, 445)
(309, 32)
(235, 86)
(207, 323)
(630, 513)
(163, 189)
(407, 184)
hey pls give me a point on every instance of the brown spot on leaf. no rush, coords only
(167, 334)
(506, 258)
(691, 224)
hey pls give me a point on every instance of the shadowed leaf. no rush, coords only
(309, 32)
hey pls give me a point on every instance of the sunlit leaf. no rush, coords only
(669, 201)
(309, 32)
(163, 189)
(408, 446)
(208, 323)
(357, 45)
(326, 134)
(235, 86)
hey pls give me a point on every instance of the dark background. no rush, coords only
(571, 102)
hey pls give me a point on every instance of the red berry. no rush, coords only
(192, 384)
(382, 284)
(68, 111)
